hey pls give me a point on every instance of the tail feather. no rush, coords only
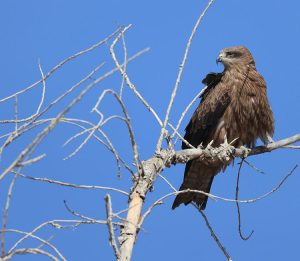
(197, 176)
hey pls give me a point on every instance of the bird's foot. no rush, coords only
(245, 151)
(225, 151)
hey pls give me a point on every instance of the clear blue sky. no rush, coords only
(50, 31)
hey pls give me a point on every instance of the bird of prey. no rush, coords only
(233, 105)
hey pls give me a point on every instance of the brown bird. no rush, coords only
(234, 104)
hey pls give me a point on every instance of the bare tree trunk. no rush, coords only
(151, 168)
(129, 232)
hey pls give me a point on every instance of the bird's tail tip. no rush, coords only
(187, 198)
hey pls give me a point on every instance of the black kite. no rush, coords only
(234, 104)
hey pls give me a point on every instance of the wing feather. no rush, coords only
(207, 116)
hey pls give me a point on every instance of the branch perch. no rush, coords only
(156, 164)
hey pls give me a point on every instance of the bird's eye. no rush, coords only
(230, 54)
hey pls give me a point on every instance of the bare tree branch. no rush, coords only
(181, 67)
(238, 207)
(254, 167)
(61, 183)
(5, 213)
(213, 234)
(58, 224)
(129, 83)
(124, 65)
(127, 121)
(156, 164)
(23, 251)
(31, 147)
(60, 64)
(186, 110)
(44, 242)
(189, 154)
(44, 89)
(109, 215)
(108, 143)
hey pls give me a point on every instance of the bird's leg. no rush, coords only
(270, 139)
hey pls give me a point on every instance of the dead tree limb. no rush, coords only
(153, 166)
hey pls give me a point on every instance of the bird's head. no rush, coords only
(237, 55)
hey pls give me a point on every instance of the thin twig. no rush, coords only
(124, 65)
(180, 137)
(16, 113)
(91, 134)
(60, 64)
(28, 126)
(254, 167)
(129, 83)
(127, 121)
(181, 67)
(35, 116)
(168, 182)
(44, 89)
(108, 145)
(61, 183)
(213, 234)
(57, 223)
(215, 197)
(113, 150)
(274, 189)
(5, 213)
(70, 90)
(23, 251)
(146, 214)
(186, 110)
(31, 161)
(44, 242)
(109, 215)
(238, 206)
(25, 127)
(75, 213)
(31, 147)
(160, 200)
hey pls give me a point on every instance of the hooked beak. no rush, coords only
(220, 58)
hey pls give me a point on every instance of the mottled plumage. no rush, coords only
(234, 104)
